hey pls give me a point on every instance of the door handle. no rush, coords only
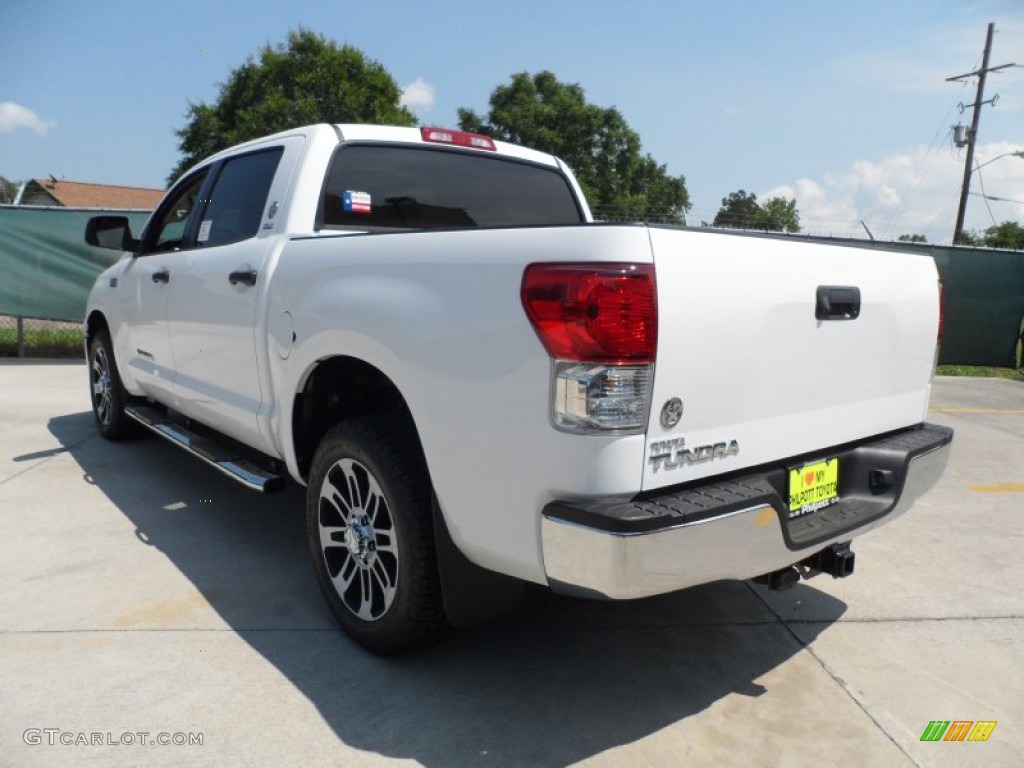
(247, 276)
(161, 276)
(837, 302)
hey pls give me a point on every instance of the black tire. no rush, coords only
(371, 535)
(106, 392)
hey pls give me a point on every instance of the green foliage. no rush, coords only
(8, 190)
(64, 343)
(912, 239)
(778, 214)
(980, 371)
(740, 210)
(309, 80)
(605, 154)
(1009, 234)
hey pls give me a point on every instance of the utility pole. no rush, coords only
(972, 133)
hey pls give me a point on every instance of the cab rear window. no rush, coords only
(373, 186)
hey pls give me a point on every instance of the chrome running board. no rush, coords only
(209, 450)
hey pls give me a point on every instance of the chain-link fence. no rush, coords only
(36, 337)
(629, 215)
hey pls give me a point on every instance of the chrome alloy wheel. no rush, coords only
(102, 386)
(357, 539)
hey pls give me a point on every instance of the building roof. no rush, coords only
(78, 194)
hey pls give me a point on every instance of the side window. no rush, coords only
(175, 215)
(239, 195)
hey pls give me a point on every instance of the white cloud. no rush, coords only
(418, 96)
(888, 197)
(823, 209)
(911, 192)
(14, 116)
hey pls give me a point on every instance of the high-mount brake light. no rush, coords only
(599, 324)
(457, 138)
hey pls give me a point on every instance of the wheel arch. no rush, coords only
(94, 323)
(344, 387)
(339, 388)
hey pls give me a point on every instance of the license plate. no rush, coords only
(813, 487)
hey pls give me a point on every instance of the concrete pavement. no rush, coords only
(144, 592)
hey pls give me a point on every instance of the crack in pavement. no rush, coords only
(547, 629)
(834, 675)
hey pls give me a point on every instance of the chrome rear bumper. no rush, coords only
(589, 549)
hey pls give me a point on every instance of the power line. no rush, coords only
(923, 166)
(984, 194)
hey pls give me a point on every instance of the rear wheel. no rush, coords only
(106, 391)
(370, 529)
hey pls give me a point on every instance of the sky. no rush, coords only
(842, 105)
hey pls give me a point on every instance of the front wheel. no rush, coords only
(370, 529)
(106, 391)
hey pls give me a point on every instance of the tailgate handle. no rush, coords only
(838, 302)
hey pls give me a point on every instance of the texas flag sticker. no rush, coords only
(356, 202)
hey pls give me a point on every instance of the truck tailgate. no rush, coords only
(760, 377)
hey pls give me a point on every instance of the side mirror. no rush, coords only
(110, 232)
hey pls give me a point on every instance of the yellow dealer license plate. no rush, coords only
(813, 487)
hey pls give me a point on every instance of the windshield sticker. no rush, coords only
(204, 230)
(356, 202)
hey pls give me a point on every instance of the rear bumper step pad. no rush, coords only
(871, 480)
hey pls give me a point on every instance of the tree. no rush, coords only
(309, 80)
(740, 210)
(970, 237)
(605, 154)
(912, 239)
(778, 214)
(1009, 234)
(8, 190)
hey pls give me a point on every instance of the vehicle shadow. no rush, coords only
(559, 681)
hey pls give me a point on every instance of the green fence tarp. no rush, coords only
(46, 269)
(984, 301)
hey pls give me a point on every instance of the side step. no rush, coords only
(213, 453)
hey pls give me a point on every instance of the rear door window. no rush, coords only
(371, 186)
(236, 202)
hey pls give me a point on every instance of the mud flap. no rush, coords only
(472, 595)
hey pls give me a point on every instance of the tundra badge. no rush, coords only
(672, 454)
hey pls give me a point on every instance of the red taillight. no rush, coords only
(942, 310)
(602, 313)
(457, 138)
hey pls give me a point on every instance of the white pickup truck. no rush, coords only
(481, 386)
